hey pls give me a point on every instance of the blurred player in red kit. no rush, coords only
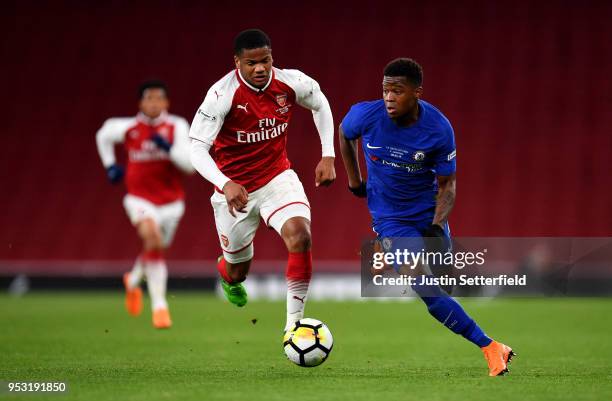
(157, 147)
(244, 122)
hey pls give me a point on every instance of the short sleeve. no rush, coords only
(352, 123)
(445, 162)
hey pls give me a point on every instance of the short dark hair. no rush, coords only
(405, 67)
(251, 39)
(152, 84)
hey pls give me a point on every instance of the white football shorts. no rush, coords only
(166, 216)
(274, 203)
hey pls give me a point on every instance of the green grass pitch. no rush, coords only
(382, 351)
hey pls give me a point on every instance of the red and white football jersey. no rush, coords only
(247, 127)
(151, 173)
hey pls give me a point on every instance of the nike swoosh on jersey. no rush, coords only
(373, 147)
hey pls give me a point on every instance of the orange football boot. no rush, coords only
(498, 357)
(133, 298)
(161, 319)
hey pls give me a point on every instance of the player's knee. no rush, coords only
(298, 239)
(154, 241)
(151, 235)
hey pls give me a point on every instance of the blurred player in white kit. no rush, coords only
(157, 149)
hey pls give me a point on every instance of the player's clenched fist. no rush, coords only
(236, 196)
(325, 173)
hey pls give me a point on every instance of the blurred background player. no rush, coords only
(244, 120)
(409, 149)
(157, 149)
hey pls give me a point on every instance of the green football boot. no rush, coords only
(235, 293)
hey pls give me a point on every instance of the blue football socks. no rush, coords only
(450, 313)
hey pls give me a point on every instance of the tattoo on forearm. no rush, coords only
(444, 205)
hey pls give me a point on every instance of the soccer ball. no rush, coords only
(308, 342)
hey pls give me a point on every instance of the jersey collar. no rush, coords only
(251, 86)
(152, 121)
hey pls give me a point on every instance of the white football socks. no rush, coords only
(136, 274)
(157, 277)
(296, 301)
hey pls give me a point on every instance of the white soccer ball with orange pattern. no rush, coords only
(308, 342)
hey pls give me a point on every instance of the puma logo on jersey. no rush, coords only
(299, 299)
(239, 106)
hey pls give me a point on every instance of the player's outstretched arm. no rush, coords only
(350, 157)
(445, 200)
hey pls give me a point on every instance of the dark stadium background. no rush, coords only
(526, 85)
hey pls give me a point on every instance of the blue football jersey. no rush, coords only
(402, 162)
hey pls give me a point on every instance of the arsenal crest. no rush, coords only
(281, 99)
(224, 240)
